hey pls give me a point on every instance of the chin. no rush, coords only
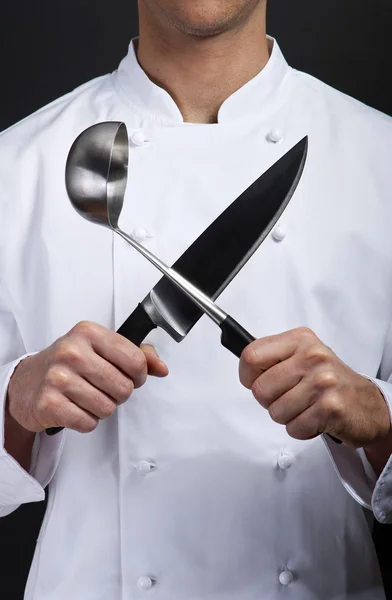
(205, 17)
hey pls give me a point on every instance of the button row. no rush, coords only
(139, 137)
(140, 234)
(145, 582)
(144, 467)
(285, 461)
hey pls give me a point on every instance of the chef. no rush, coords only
(183, 474)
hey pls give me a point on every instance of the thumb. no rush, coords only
(155, 365)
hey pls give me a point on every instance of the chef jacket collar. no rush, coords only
(155, 104)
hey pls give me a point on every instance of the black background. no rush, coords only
(49, 47)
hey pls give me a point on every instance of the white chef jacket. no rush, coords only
(190, 491)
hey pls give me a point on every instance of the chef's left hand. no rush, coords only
(307, 388)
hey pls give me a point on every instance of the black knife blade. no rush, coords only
(220, 252)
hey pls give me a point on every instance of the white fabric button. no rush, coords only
(144, 583)
(141, 234)
(275, 136)
(279, 233)
(144, 467)
(285, 461)
(286, 577)
(138, 138)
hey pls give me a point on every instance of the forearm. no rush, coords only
(18, 442)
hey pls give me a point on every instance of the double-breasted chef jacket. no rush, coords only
(190, 491)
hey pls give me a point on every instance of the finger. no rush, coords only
(307, 425)
(83, 394)
(59, 411)
(276, 381)
(115, 349)
(293, 403)
(96, 371)
(266, 352)
(155, 366)
(108, 379)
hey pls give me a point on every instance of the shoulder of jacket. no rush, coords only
(341, 104)
(23, 131)
(365, 128)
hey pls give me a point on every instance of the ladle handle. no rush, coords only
(135, 329)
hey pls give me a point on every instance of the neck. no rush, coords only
(200, 73)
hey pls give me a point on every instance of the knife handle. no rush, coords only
(54, 430)
(135, 329)
(234, 337)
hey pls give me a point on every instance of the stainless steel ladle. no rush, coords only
(96, 179)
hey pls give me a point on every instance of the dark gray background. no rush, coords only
(49, 47)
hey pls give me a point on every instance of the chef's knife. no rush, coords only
(212, 261)
(218, 254)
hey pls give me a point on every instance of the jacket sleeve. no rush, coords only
(16, 485)
(353, 467)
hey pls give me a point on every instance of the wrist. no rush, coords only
(379, 449)
(378, 452)
(13, 430)
(18, 441)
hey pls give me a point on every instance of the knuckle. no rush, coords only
(296, 431)
(259, 392)
(275, 415)
(107, 409)
(249, 356)
(333, 407)
(139, 361)
(48, 404)
(316, 354)
(84, 328)
(125, 388)
(57, 377)
(305, 333)
(300, 429)
(77, 420)
(326, 380)
(68, 352)
(87, 425)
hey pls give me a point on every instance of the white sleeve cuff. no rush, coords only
(16, 485)
(382, 493)
(351, 470)
(358, 476)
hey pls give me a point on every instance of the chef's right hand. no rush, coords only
(81, 378)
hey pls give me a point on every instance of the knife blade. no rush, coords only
(220, 252)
